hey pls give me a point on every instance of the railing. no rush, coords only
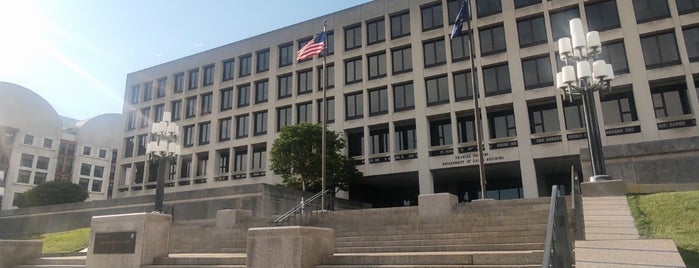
(558, 251)
(577, 205)
(298, 208)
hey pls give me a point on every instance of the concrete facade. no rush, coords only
(231, 101)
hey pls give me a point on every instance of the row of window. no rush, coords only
(24, 176)
(101, 153)
(29, 140)
(96, 186)
(97, 172)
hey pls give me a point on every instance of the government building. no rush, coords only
(399, 91)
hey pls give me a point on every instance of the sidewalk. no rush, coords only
(613, 241)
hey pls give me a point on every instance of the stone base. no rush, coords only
(603, 188)
(14, 252)
(228, 218)
(290, 247)
(436, 205)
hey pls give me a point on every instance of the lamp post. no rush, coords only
(582, 75)
(163, 148)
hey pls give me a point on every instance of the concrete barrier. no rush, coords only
(289, 247)
(14, 252)
(227, 218)
(436, 205)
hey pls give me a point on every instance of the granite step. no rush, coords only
(438, 258)
(202, 259)
(443, 247)
(434, 242)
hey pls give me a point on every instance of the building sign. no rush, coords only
(406, 156)
(501, 145)
(240, 176)
(381, 159)
(258, 174)
(115, 243)
(577, 136)
(199, 180)
(677, 124)
(549, 139)
(470, 158)
(442, 152)
(623, 130)
(468, 149)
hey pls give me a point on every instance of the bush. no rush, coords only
(52, 193)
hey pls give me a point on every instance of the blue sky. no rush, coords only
(76, 53)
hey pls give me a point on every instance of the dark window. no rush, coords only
(206, 103)
(145, 117)
(241, 126)
(329, 77)
(377, 65)
(128, 147)
(687, 6)
(502, 124)
(27, 160)
(355, 143)
(193, 79)
(284, 86)
(615, 54)
(161, 87)
(87, 150)
(39, 178)
(330, 112)
(176, 110)
(488, 7)
(208, 75)
(406, 138)
(353, 71)
(142, 142)
(378, 101)
(453, 7)
(204, 133)
(524, 3)
(602, 16)
(241, 160)
(304, 112)
(226, 99)
(48, 143)
(537, 72)
(402, 60)
(434, 53)
(496, 80)
(437, 90)
(102, 153)
(400, 24)
(85, 169)
(573, 112)
(98, 172)
(158, 113)
(224, 129)
(670, 100)
(286, 54)
(353, 37)
(191, 107)
(376, 31)
(379, 140)
(543, 118)
(619, 107)
(648, 10)
(135, 93)
(691, 41)
(260, 123)
(202, 161)
(147, 91)
(354, 106)
(96, 186)
(531, 31)
(560, 22)
(23, 176)
(84, 182)
(493, 40)
(178, 86)
(463, 86)
(283, 117)
(466, 128)
(460, 49)
(186, 167)
(243, 95)
(228, 69)
(188, 135)
(660, 50)
(431, 16)
(28, 139)
(329, 44)
(245, 65)
(262, 60)
(440, 132)
(261, 91)
(131, 121)
(403, 97)
(304, 81)
(259, 157)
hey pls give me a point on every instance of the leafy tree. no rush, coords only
(51, 193)
(297, 154)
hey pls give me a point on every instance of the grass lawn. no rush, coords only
(670, 215)
(70, 241)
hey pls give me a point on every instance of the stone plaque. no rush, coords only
(115, 243)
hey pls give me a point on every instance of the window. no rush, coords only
(330, 112)
(440, 132)
(329, 44)
(488, 7)
(531, 31)
(260, 123)
(48, 143)
(135, 93)
(463, 86)
(502, 124)
(493, 40)
(176, 110)
(188, 135)
(403, 97)
(496, 80)
(329, 77)
(406, 138)
(466, 128)
(353, 37)
(241, 126)
(259, 158)
(615, 54)
(537, 72)
(28, 139)
(283, 117)
(460, 49)
(376, 31)
(147, 91)
(23, 176)
(145, 117)
(243, 95)
(178, 86)
(670, 100)
(27, 160)
(39, 178)
(228, 66)
(284, 86)
(241, 160)
(304, 113)
(305, 81)
(83, 182)
(573, 113)
(102, 153)
(85, 170)
(209, 75)
(206, 103)
(262, 60)
(354, 106)
(87, 150)
(602, 16)
(619, 108)
(286, 54)
(691, 41)
(186, 167)
(261, 91)
(244, 68)
(378, 101)
(96, 185)
(543, 118)
(379, 140)
(687, 6)
(226, 99)
(204, 131)
(191, 107)
(400, 24)
(142, 141)
(224, 129)
(431, 16)
(453, 8)
(158, 113)
(402, 60)
(648, 10)
(161, 87)
(128, 147)
(98, 172)
(437, 90)
(524, 3)
(193, 78)
(377, 65)
(660, 50)
(353, 71)
(355, 143)
(131, 121)
(202, 162)
(560, 22)
(434, 53)
(223, 161)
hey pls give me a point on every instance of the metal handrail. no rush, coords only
(558, 251)
(298, 207)
(577, 205)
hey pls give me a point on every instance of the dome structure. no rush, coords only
(23, 109)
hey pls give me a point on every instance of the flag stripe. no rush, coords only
(312, 48)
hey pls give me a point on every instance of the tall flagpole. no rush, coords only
(322, 119)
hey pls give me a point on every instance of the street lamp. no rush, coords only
(163, 148)
(582, 75)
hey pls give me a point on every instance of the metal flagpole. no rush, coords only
(322, 119)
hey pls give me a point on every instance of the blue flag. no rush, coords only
(464, 13)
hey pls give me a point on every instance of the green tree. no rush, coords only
(296, 156)
(51, 193)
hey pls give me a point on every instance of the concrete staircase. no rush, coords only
(56, 262)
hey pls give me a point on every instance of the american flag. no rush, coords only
(312, 48)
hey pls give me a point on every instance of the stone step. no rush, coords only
(49, 266)
(461, 235)
(438, 258)
(207, 250)
(435, 242)
(72, 260)
(400, 229)
(435, 248)
(428, 266)
(202, 259)
(192, 266)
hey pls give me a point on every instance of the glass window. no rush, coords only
(96, 185)
(241, 126)
(543, 118)
(188, 135)
(687, 6)
(378, 101)
(376, 31)
(379, 140)
(226, 99)
(208, 75)
(531, 31)
(329, 44)
(27, 160)
(39, 178)
(496, 80)
(537, 72)
(23, 176)
(283, 117)
(28, 139)
(224, 129)
(402, 60)
(147, 91)
(488, 7)
(400, 24)
(305, 81)
(128, 147)
(493, 40)
(377, 65)
(241, 160)
(228, 66)
(161, 87)
(204, 133)
(135, 93)
(243, 95)
(48, 143)
(260, 123)
(42, 162)
(615, 54)
(142, 142)
(463, 86)
(85, 169)
(437, 90)
(691, 41)
(98, 172)
(403, 97)
(193, 79)
(329, 77)
(83, 183)
(660, 50)
(186, 167)
(330, 112)
(304, 113)
(286, 54)
(524, 3)
(102, 153)
(406, 138)
(87, 150)
(431, 16)
(145, 117)
(573, 112)
(176, 110)
(466, 128)
(602, 16)
(262, 60)
(353, 37)
(284, 86)
(453, 7)
(435, 53)
(191, 107)
(440, 132)
(158, 114)
(261, 91)
(648, 10)
(206, 103)
(259, 158)
(178, 86)
(353, 71)
(355, 143)
(502, 124)
(670, 100)
(459, 48)
(354, 106)
(245, 65)
(560, 22)
(130, 123)
(619, 107)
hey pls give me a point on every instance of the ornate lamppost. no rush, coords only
(582, 75)
(163, 148)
